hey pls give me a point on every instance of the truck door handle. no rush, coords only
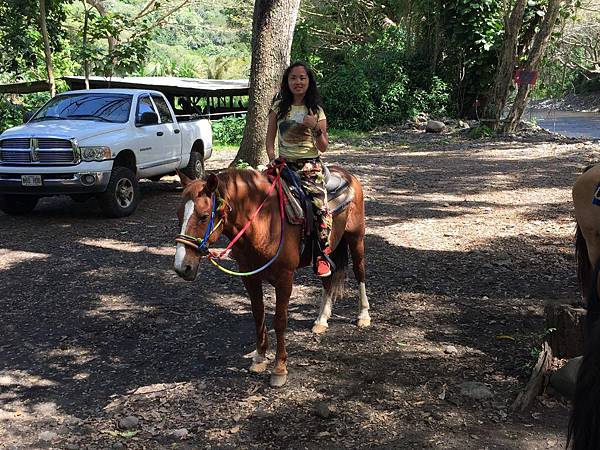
(159, 133)
(176, 131)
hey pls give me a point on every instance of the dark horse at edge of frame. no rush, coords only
(584, 425)
(243, 191)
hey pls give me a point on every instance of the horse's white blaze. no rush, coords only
(363, 302)
(180, 253)
(325, 312)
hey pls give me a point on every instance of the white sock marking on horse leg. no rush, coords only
(257, 359)
(325, 312)
(180, 253)
(363, 304)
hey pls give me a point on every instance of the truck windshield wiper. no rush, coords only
(39, 119)
(88, 116)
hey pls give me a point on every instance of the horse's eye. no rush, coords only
(203, 218)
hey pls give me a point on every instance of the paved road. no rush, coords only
(568, 123)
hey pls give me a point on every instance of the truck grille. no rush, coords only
(39, 151)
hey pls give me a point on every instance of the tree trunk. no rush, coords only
(504, 73)
(536, 53)
(99, 5)
(47, 50)
(273, 26)
(436, 38)
(567, 325)
(86, 61)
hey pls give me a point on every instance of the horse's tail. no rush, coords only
(584, 267)
(340, 258)
(584, 425)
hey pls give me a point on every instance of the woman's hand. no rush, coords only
(310, 121)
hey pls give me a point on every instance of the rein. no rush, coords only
(201, 245)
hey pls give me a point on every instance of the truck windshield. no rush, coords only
(102, 107)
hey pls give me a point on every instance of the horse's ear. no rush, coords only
(212, 183)
(183, 178)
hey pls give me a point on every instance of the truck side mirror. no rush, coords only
(27, 116)
(148, 118)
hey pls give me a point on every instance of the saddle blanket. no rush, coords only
(339, 195)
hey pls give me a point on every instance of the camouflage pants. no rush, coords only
(313, 183)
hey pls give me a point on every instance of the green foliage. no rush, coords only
(228, 130)
(375, 83)
(21, 42)
(241, 164)
(11, 112)
(480, 131)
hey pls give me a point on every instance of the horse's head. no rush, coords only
(197, 214)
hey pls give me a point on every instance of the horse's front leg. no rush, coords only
(283, 290)
(255, 292)
(327, 294)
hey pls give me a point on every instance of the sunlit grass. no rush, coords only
(224, 148)
(337, 133)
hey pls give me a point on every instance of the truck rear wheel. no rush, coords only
(195, 167)
(122, 194)
(18, 205)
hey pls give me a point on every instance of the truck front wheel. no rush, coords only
(122, 194)
(195, 167)
(18, 205)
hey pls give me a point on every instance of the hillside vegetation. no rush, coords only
(377, 62)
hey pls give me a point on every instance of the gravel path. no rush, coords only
(103, 346)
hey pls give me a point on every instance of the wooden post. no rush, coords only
(537, 381)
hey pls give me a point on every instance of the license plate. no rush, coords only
(31, 180)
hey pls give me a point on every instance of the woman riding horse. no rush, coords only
(298, 119)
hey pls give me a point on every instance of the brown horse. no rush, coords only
(584, 426)
(241, 192)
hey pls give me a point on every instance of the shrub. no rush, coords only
(480, 131)
(375, 83)
(228, 130)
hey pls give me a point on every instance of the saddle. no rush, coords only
(298, 207)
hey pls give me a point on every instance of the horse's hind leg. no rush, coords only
(255, 292)
(357, 251)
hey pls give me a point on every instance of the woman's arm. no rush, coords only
(321, 136)
(271, 134)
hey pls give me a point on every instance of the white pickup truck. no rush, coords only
(98, 143)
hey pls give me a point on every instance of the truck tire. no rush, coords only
(122, 194)
(195, 168)
(18, 205)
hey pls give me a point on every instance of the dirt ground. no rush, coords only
(102, 346)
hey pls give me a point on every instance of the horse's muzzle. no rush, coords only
(187, 272)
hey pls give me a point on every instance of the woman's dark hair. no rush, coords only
(312, 99)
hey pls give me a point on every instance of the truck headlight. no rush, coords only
(95, 153)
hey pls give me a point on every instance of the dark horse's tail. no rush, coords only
(340, 258)
(584, 426)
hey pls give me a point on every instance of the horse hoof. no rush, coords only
(278, 380)
(364, 323)
(319, 329)
(259, 367)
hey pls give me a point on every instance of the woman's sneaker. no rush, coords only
(323, 269)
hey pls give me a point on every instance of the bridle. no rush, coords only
(201, 245)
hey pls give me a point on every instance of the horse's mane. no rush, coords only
(249, 177)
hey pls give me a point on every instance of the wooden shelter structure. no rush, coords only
(188, 96)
